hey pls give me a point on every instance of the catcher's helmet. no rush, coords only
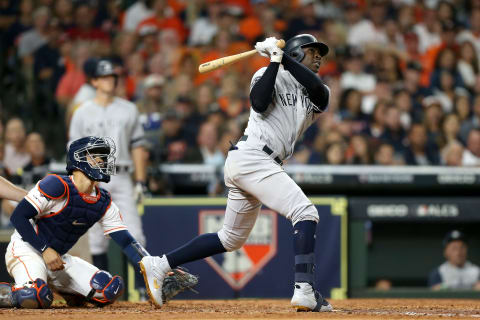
(104, 68)
(294, 46)
(83, 152)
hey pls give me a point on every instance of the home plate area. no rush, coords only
(259, 309)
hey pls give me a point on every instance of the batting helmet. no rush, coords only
(294, 46)
(104, 68)
(83, 152)
(90, 67)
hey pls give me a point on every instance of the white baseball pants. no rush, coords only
(25, 264)
(254, 178)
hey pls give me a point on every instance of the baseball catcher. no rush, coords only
(52, 217)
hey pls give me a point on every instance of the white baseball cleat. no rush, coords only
(305, 298)
(154, 270)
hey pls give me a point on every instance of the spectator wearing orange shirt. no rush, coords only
(74, 78)
(163, 18)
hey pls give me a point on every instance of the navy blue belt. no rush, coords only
(265, 149)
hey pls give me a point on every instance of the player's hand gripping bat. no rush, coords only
(218, 63)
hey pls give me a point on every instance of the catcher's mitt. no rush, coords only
(178, 281)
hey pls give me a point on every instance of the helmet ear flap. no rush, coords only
(297, 54)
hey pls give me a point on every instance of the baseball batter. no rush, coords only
(286, 98)
(49, 221)
(107, 115)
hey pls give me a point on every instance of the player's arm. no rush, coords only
(20, 219)
(113, 226)
(10, 191)
(131, 247)
(261, 94)
(318, 92)
(35, 202)
(139, 156)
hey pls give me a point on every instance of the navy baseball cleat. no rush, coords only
(305, 298)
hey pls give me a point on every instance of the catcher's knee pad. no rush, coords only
(232, 239)
(105, 288)
(33, 295)
(303, 212)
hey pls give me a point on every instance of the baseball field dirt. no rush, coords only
(260, 309)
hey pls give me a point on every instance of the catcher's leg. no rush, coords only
(80, 282)
(28, 269)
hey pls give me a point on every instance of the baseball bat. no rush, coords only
(220, 62)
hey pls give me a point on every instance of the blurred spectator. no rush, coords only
(86, 91)
(163, 18)
(471, 155)
(432, 120)
(205, 99)
(471, 34)
(16, 155)
(49, 66)
(38, 166)
(350, 110)
(456, 273)
(335, 154)
(450, 129)
(418, 151)
(430, 57)
(63, 10)
(135, 14)
(84, 28)
(354, 76)
(205, 27)
(23, 22)
(151, 108)
(428, 30)
(384, 155)
(394, 133)
(473, 122)
(462, 108)
(452, 154)
(376, 125)
(136, 74)
(368, 31)
(306, 22)
(207, 141)
(35, 38)
(74, 78)
(172, 145)
(467, 64)
(359, 152)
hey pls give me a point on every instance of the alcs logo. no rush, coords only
(237, 268)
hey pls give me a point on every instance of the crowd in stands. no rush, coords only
(404, 75)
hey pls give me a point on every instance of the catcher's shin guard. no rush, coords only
(105, 288)
(33, 295)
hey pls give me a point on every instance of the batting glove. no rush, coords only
(262, 49)
(268, 48)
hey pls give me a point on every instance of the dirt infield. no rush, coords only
(261, 309)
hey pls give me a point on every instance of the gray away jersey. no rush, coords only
(286, 118)
(118, 120)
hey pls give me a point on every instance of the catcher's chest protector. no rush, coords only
(62, 230)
